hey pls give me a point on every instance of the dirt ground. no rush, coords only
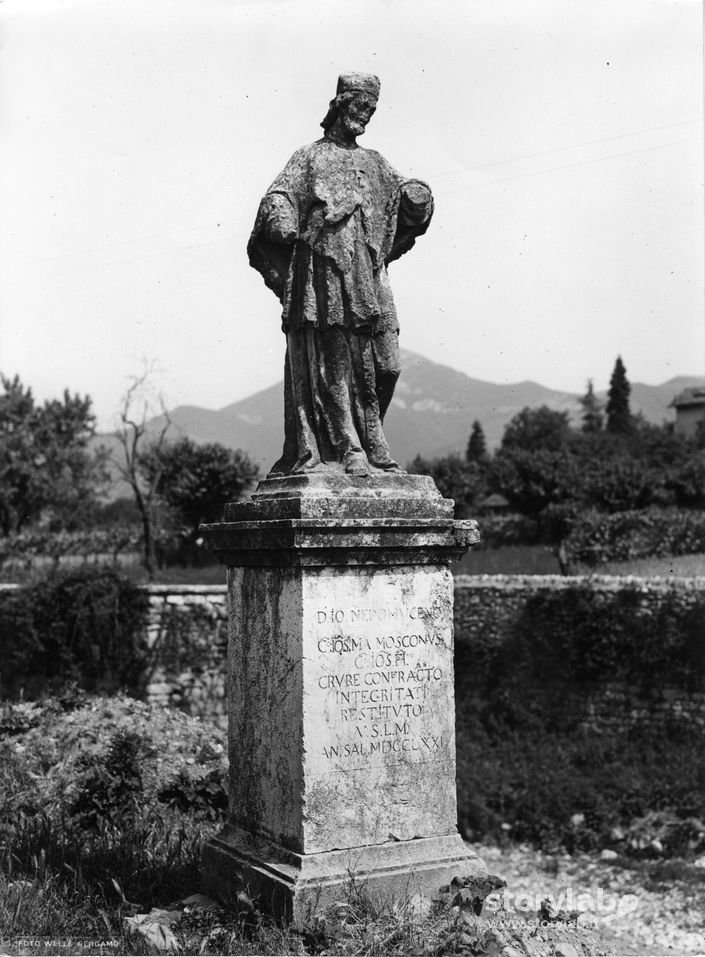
(637, 907)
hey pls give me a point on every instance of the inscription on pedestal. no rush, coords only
(379, 679)
(378, 702)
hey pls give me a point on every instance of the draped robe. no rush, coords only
(325, 231)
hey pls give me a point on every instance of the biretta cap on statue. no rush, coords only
(358, 83)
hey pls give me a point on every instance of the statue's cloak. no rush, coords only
(325, 231)
(344, 207)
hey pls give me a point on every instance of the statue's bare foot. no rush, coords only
(355, 463)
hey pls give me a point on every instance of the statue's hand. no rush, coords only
(280, 225)
(416, 202)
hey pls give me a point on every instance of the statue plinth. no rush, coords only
(340, 692)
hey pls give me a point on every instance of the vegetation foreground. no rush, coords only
(107, 802)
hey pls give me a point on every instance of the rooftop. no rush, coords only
(495, 500)
(695, 395)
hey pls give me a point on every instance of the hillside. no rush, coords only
(432, 412)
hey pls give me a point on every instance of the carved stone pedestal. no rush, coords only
(340, 692)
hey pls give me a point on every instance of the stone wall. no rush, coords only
(189, 660)
(489, 607)
(188, 638)
(489, 603)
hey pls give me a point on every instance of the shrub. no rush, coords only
(508, 529)
(85, 626)
(21, 548)
(569, 789)
(530, 756)
(581, 636)
(110, 790)
(577, 637)
(597, 537)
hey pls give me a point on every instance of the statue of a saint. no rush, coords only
(326, 230)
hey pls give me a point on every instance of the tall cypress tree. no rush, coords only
(619, 416)
(592, 410)
(477, 446)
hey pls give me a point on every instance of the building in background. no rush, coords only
(690, 410)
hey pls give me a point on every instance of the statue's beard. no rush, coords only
(355, 127)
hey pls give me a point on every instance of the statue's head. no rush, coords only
(354, 103)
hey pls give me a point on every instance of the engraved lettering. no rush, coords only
(380, 689)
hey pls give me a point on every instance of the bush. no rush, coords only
(456, 478)
(529, 755)
(569, 789)
(111, 790)
(593, 537)
(597, 537)
(85, 626)
(23, 547)
(580, 636)
(508, 529)
(572, 639)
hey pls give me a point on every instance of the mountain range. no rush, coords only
(431, 414)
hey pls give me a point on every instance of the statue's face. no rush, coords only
(356, 114)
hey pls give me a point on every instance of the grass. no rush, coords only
(107, 804)
(541, 560)
(676, 566)
(565, 787)
(505, 560)
(508, 560)
(177, 575)
(49, 915)
(173, 575)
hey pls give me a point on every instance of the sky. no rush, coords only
(562, 139)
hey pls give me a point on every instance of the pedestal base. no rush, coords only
(294, 886)
(340, 693)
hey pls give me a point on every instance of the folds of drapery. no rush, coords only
(345, 208)
(331, 410)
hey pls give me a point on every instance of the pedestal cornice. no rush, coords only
(328, 518)
(336, 541)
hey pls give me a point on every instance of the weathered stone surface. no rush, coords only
(295, 886)
(325, 232)
(330, 493)
(328, 518)
(350, 670)
(329, 542)
(341, 707)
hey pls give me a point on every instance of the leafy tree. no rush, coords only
(455, 478)
(477, 445)
(540, 428)
(47, 470)
(621, 483)
(699, 437)
(619, 416)
(593, 419)
(688, 481)
(677, 461)
(659, 446)
(118, 511)
(196, 480)
(532, 479)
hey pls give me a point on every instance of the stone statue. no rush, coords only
(326, 230)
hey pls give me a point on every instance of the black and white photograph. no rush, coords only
(352, 478)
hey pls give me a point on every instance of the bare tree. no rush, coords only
(134, 413)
